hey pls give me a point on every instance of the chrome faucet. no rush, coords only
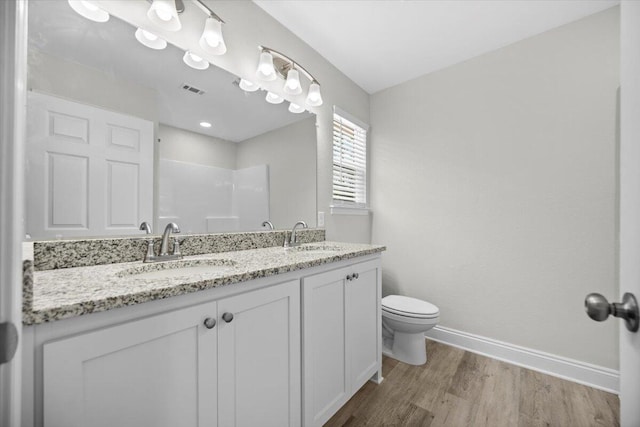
(164, 255)
(164, 247)
(268, 224)
(293, 239)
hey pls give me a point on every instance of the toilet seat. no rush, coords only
(409, 307)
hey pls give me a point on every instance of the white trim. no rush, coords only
(353, 119)
(13, 73)
(347, 210)
(569, 369)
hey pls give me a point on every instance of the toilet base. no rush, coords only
(407, 348)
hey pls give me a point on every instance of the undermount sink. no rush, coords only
(317, 249)
(170, 269)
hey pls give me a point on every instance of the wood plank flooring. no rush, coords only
(459, 388)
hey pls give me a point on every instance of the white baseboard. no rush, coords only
(583, 373)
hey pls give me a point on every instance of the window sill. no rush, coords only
(347, 210)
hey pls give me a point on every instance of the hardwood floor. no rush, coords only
(458, 388)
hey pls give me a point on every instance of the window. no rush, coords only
(349, 164)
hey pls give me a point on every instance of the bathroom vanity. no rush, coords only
(259, 337)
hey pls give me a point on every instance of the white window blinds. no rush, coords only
(349, 162)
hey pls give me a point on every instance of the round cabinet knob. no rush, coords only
(349, 277)
(227, 317)
(356, 275)
(209, 322)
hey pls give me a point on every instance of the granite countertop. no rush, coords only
(69, 292)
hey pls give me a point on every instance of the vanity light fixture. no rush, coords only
(89, 10)
(273, 63)
(194, 61)
(248, 86)
(164, 14)
(295, 108)
(266, 70)
(292, 84)
(205, 124)
(211, 40)
(150, 40)
(273, 98)
(314, 97)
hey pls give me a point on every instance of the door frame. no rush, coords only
(13, 72)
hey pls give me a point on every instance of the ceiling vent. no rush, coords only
(192, 89)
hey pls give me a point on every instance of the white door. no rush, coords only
(630, 205)
(13, 53)
(90, 170)
(259, 358)
(158, 371)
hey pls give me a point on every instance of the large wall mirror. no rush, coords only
(119, 133)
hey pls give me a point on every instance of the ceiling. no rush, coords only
(379, 44)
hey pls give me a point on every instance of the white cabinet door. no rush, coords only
(259, 358)
(90, 171)
(341, 330)
(364, 322)
(325, 377)
(158, 371)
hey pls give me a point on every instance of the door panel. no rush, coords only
(326, 379)
(159, 371)
(630, 205)
(363, 328)
(259, 358)
(90, 170)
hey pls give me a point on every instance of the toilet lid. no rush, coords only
(410, 307)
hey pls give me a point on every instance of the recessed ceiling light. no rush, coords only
(205, 124)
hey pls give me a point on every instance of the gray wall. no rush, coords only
(69, 80)
(191, 147)
(494, 188)
(290, 153)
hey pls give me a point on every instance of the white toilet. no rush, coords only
(404, 322)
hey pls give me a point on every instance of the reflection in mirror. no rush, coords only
(119, 133)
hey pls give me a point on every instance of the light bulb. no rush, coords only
(194, 61)
(272, 98)
(314, 97)
(89, 10)
(295, 108)
(211, 40)
(205, 124)
(265, 70)
(248, 86)
(163, 13)
(150, 40)
(92, 7)
(292, 85)
(149, 36)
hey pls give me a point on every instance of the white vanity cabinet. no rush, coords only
(158, 371)
(341, 337)
(178, 369)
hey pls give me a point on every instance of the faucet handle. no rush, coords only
(146, 227)
(150, 255)
(176, 246)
